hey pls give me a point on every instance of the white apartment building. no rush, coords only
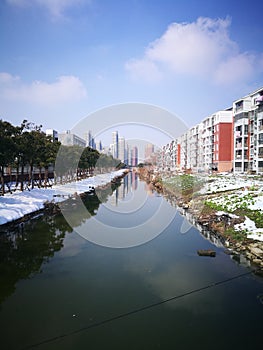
(193, 148)
(248, 133)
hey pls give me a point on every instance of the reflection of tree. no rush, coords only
(23, 252)
(76, 213)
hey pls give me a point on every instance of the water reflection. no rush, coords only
(25, 248)
(132, 216)
(212, 237)
(95, 283)
(128, 185)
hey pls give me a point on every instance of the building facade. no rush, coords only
(204, 147)
(248, 133)
(53, 134)
(69, 139)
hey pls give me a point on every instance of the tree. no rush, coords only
(7, 148)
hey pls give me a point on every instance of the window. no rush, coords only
(246, 129)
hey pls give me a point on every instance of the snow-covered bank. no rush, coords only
(246, 194)
(15, 206)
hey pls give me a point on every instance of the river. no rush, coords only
(122, 272)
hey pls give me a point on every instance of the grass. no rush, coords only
(184, 185)
(236, 235)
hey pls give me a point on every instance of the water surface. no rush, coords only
(55, 284)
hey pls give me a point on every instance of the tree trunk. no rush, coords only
(22, 178)
(30, 177)
(2, 180)
(40, 178)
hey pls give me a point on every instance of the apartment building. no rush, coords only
(223, 141)
(228, 140)
(69, 139)
(204, 147)
(248, 133)
(193, 148)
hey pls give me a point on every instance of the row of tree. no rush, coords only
(25, 148)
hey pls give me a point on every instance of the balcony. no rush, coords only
(259, 100)
(260, 155)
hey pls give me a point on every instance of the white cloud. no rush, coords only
(64, 89)
(6, 78)
(198, 49)
(56, 8)
(144, 69)
(235, 69)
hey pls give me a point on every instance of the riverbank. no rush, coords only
(228, 206)
(23, 205)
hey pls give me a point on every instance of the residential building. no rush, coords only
(53, 133)
(69, 139)
(115, 144)
(121, 148)
(149, 150)
(204, 147)
(134, 156)
(223, 141)
(248, 133)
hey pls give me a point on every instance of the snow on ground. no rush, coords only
(249, 226)
(227, 183)
(16, 205)
(248, 194)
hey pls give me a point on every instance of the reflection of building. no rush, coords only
(134, 156)
(128, 184)
(69, 139)
(134, 180)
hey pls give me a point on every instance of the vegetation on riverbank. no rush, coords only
(228, 207)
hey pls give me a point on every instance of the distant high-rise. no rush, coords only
(127, 154)
(134, 156)
(149, 150)
(115, 143)
(53, 133)
(69, 139)
(121, 149)
(90, 140)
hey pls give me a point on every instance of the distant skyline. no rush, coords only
(63, 60)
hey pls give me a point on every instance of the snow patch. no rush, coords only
(16, 205)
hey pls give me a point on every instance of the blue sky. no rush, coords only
(64, 59)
